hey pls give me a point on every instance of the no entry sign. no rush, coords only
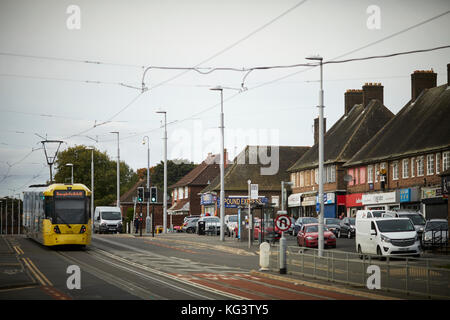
(283, 222)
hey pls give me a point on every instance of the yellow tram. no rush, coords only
(58, 214)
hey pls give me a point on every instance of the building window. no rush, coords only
(419, 166)
(175, 194)
(350, 173)
(445, 160)
(430, 164)
(369, 174)
(362, 175)
(395, 171)
(356, 176)
(297, 178)
(330, 174)
(186, 192)
(413, 165)
(405, 168)
(312, 177)
(438, 163)
(302, 179)
(377, 172)
(180, 193)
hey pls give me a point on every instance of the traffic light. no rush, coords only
(140, 194)
(153, 195)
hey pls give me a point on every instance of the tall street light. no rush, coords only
(92, 186)
(118, 169)
(147, 220)
(321, 126)
(222, 165)
(71, 176)
(165, 173)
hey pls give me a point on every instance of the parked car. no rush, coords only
(308, 236)
(416, 218)
(231, 223)
(190, 225)
(348, 228)
(291, 228)
(386, 237)
(191, 217)
(301, 221)
(269, 234)
(435, 234)
(333, 224)
(211, 224)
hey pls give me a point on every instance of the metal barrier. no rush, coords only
(417, 276)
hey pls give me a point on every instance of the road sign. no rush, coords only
(283, 222)
(254, 192)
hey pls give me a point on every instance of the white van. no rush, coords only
(386, 237)
(107, 219)
(370, 213)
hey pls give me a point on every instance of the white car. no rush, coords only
(231, 223)
(211, 224)
(386, 237)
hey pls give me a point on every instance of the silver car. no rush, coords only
(190, 225)
(212, 224)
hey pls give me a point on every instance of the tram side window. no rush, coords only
(49, 211)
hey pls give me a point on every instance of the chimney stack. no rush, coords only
(316, 129)
(372, 91)
(421, 80)
(352, 97)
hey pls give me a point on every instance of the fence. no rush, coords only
(416, 276)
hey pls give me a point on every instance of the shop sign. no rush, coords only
(328, 198)
(377, 198)
(354, 200)
(435, 192)
(207, 199)
(309, 201)
(294, 200)
(405, 195)
(242, 201)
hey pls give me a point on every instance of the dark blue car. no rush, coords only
(301, 221)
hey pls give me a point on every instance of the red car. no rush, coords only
(308, 236)
(269, 233)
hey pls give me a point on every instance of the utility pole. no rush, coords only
(165, 173)
(118, 169)
(51, 159)
(147, 219)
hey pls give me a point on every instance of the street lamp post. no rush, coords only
(165, 173)
(222, 165)
(92, 186)
(118, 169)
(1, 217)
(71, 176)
(321, 155)
(147, 220)
(18, 214)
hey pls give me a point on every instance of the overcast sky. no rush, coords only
(63, 97)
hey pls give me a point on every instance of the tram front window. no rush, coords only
(70, 211)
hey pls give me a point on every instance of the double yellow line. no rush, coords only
(37, 273)
(18, 250)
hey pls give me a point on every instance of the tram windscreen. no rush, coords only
(70, 211)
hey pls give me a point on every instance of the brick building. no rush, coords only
(364, 115)
(250, 165)
(185, 192)
(400, 166)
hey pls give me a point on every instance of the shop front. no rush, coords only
(308, 205)
(294, 204)
(381, 201)
(208, 203)
(353, 202)
(329, 205)
(434, 205)
(410, 199)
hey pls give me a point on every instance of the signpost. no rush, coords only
(283, 223)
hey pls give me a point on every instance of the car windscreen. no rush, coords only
(232, 218)
(315, 229)
(437, 225)
(309, 220)
(111, 215)
(352, 221)
(70, 211)
(417, 219)
(395, 226)
(377, 214)
(332, 221)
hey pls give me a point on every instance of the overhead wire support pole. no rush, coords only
(51, 160)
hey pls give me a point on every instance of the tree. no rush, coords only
(175, 171)
(104, 173)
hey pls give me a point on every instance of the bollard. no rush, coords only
(264, 256)
(282, 254)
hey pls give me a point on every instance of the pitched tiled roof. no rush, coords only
(237, 174)
(199, 176)
(347, 135)
(420, 126)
